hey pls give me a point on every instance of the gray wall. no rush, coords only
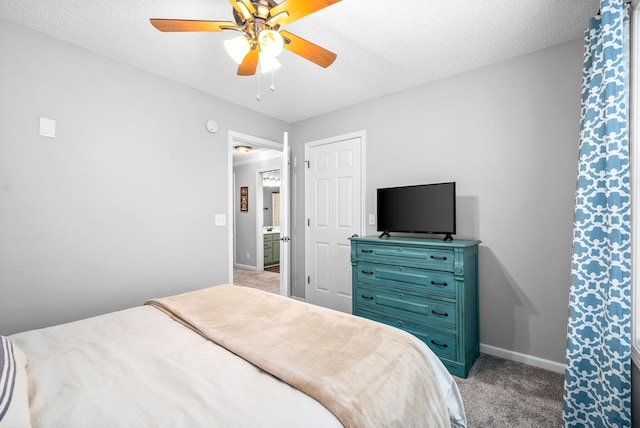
(507, 134)
(245, 175)
(120, 206)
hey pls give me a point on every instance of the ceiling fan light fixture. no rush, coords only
(237, 48)
(271, 43)
(261, 22)
(243, 150)
(268, 64)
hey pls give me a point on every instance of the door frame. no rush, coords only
(363, 186)
(237, 138)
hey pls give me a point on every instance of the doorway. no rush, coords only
(246, 210)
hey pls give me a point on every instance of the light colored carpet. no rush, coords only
(262, 280)
(504, 393)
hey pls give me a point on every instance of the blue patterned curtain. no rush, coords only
(597, 391)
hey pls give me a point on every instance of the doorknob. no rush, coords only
(285, 239)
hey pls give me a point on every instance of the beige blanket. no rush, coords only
(366, 373)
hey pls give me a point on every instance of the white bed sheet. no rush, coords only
(138, 367)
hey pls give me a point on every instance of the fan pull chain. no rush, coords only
(273, 86)
(258, 96)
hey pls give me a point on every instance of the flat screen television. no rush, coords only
(426, 208)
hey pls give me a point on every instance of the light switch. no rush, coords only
(221, 220)
(372, 219)
(47, 127)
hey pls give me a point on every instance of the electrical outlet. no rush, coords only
(372, 219)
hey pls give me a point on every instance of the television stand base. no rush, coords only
(448, 237)
(384, 234)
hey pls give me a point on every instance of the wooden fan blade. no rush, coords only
(307, 50)
(297, 9)
(244, 8)
(248, 5)
(277, 19)
(249, 63)
(174, 25)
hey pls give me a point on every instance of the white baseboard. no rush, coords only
(522, 358)
(239, 266)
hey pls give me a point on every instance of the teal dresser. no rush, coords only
(426, 287)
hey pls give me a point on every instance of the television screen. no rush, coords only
(427, 208)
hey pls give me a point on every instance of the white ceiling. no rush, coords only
(382, 46)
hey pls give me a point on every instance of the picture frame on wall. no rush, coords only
(244, 199)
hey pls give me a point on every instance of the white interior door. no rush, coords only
(285, 247)
(236, 138)
(334, 212)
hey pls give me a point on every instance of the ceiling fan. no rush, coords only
(263, 40)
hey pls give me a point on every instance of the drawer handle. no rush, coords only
(439, 284)
(400, 296)
(367, 272)
(439, 345)
(367, 297)
(440, 314)
(366, 251)
(438, 258)
(399, 323)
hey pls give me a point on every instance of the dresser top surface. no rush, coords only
(402, 240)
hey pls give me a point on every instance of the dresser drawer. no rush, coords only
(443, 344)
(441, 283)
(408, 256)
(415, 308)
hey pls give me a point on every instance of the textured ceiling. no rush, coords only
(382, 46)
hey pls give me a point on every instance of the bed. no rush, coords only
(224, 356)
